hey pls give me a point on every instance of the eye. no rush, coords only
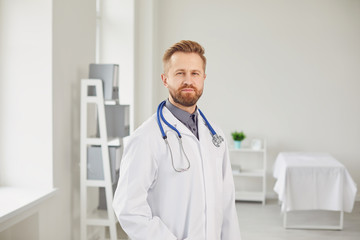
(195, 73)
(179, 73)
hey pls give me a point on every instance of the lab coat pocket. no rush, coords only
(217, 161)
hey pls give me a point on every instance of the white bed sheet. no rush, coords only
(313, 181)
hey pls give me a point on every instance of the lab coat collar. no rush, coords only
(177, 124)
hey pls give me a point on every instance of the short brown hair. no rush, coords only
(185, 46)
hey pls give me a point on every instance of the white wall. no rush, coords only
(144, 55)
(73, 49)
(284, 70)
(117, 42)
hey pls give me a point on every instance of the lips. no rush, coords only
(188, 90)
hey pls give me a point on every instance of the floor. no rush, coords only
(265, 222)
(258, 222)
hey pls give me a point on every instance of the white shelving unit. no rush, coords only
(240, 173)
(95, 217)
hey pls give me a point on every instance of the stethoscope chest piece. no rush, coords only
(217, 140)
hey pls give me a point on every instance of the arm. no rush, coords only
(230, 227)
(137, 174)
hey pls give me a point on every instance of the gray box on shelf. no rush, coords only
(109, 74)
(95, 170)
(117, 121)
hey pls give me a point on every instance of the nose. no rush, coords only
(187, 79)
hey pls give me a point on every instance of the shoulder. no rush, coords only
(147, 131)
(147, 127)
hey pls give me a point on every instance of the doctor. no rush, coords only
(178, 186)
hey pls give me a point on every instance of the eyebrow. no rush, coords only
(192, 70)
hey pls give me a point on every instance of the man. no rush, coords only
(177, 189)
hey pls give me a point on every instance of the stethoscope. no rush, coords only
(216, 139)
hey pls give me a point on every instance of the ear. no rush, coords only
(164, 79)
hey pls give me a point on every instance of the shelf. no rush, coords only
(249, 164)
(248, 173)
(91, 99)
(249, 196)
(111, 102)
(99, 218)
(114, 142)
(95, 183)
(246, 150)
(103, 141)
(94, 99)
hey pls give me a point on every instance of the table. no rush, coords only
(313, 181)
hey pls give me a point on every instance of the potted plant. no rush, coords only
(238, 137)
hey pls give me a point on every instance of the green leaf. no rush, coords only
(238, 136)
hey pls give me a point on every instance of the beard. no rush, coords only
(186, 99)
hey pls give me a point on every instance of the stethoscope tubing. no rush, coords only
(166, 122)
(207, 123)
(161, 116)
(216, 139)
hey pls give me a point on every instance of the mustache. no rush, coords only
(188, 86)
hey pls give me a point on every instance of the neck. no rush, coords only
(190, 109)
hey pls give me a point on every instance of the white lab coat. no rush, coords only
(154, 202)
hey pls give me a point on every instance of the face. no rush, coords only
(184, 78)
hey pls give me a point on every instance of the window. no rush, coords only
(26, 93)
